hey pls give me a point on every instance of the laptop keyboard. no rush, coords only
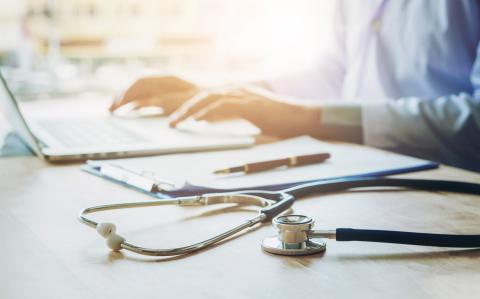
(88, 132)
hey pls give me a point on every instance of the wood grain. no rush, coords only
(47, 253)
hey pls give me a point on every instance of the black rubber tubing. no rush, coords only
(397, 237)
(411, 238)
(348, 184)
(280, 206)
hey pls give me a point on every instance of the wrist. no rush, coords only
(342, 122)
(312, 119)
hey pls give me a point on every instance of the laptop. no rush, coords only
(105, 137)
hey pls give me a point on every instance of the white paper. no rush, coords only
(198, 168)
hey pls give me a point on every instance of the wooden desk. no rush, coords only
(47, 253)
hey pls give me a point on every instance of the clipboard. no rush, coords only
(175, 175)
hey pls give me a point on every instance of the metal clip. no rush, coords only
(192, 201)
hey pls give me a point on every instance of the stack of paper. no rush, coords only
(197, 169)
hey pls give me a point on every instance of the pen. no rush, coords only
(270, 164)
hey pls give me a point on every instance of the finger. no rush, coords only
(168, 105)
(152, 86)
(136, 104)
(221, 110)
(115, 103)
(192, 106)
(137, 91)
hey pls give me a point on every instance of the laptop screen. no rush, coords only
(14, 116)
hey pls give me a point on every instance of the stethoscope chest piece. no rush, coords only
(293, 237)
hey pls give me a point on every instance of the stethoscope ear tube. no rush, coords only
(410, 238)
(280, 206)
(329, 186)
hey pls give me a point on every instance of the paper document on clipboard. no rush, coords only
(174, 171)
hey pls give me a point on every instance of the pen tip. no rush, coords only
(221, 171)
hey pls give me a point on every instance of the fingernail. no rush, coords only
(173, 116)
(172, 120)
(113, 105)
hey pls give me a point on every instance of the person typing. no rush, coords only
(402, 75)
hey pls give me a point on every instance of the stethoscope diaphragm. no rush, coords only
(293, 237)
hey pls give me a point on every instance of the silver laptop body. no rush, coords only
(82, 138)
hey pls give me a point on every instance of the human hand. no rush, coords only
(168, 93)
(273, 117)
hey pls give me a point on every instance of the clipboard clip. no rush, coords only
(144, 180)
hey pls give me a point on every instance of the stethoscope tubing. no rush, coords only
(339, 185)
(408, 238)
(389, 236)
(273, 203)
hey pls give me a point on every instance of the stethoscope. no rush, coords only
(295, 234)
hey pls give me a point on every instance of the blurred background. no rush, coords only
(72, 45)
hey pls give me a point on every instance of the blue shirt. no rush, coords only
(413, 68)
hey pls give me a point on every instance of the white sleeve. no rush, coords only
(446, 129)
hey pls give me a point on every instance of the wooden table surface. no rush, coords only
(47, 253)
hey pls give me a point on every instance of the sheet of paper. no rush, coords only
(197, 168)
